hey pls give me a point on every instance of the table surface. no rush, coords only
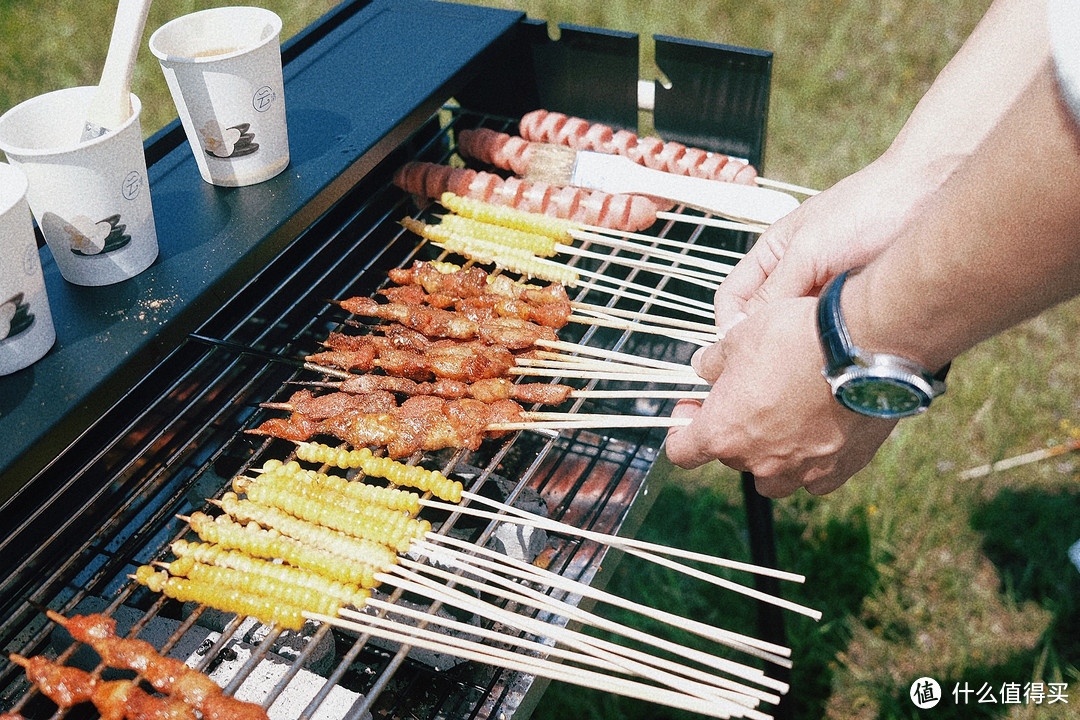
(347, 91)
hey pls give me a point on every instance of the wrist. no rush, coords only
(867, 381)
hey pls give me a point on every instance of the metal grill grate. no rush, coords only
(165, 455)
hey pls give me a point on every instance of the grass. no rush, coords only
(917, 573)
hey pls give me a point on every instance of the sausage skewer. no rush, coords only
(673, 157)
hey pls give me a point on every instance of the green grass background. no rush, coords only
(917, 572)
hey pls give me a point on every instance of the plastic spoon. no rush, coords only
(111, 104)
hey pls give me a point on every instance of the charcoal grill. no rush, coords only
(132, 419)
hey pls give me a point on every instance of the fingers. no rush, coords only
(708, 362)
(732, 299)
(681, 446)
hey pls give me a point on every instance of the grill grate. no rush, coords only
(165, 456)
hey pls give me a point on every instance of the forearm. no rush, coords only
(994, 246)
(970, 95)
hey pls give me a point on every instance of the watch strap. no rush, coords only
(832, 330)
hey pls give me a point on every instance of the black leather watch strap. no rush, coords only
(832, 330)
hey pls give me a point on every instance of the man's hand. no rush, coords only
(770, 411)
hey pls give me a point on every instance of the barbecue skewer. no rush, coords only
(437, 587)
(519, 570)
(413, 577)
(576, 676)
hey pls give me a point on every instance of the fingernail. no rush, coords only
(695, 360)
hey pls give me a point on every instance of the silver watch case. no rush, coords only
(896, 387)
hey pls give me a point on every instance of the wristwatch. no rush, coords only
(876, 384)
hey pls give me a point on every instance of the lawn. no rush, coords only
(918, 572)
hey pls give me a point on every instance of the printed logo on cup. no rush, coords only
(15, 317)
(132, 185)
(85, 236)
(263, 98)
(231, 142)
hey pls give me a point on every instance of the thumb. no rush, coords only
(708, 362)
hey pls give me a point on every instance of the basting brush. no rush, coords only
(560, 165)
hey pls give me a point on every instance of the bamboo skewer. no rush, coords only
(649, 252)
(625, 542)
(410, 576)
(589, 422)
(701, 279)
(577, 676)
(707, 330)
(615, 541)
(523, 571)
(612, 355)
(630, 326)
(610, 376)
(1031, 457)
(653, 296)
(527, 596)
(639, 240)
(711, 222)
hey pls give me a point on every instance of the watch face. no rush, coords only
(882, 397)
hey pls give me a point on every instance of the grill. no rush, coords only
(138, 415)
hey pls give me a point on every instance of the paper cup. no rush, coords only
(26, 328)
(91, 199)
(223, 68)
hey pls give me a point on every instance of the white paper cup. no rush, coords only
(223, 68)
(26, 328)
(91, 199)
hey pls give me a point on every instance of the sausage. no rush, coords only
(631, 213)
(551, 127)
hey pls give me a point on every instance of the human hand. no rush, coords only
(770, 412)
(845, 226)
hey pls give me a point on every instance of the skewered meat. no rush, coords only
(114, 699)
(421, 423)
(512, 333)
(486, 390)
(165, 674)
(631, 213)
(463, 361)
(652, 152)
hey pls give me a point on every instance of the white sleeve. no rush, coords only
(1064, 19)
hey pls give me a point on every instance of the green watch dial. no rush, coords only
(883, 397)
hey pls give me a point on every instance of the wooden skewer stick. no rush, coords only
(710, 222)
(544, 523)
(1026, 458)
(556, 360)
(643, 238)
(705, 280)
(650, 292)
(613, 355)
(519, 570)
(658, 298)
(630, 326)
(704, 329)
(716, 268)
(411, 576)
(785, 186)
(611, 376)
(521, 663)
(528, 597)
(584, 656)
(590, 422)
